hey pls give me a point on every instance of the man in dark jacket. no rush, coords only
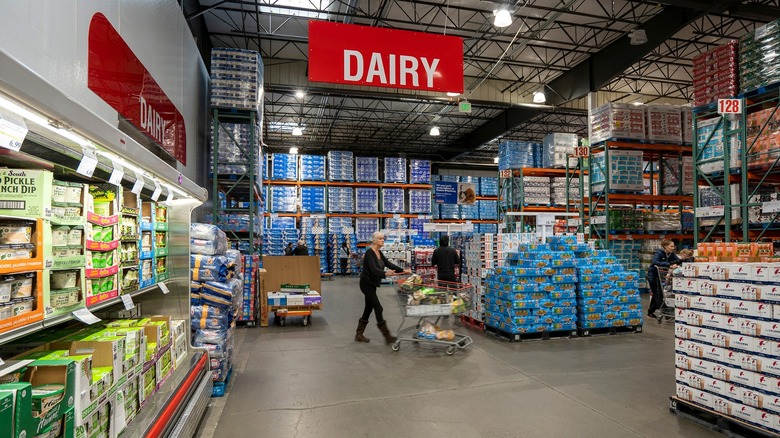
(301, 249)
(664, 258)
(445, 258)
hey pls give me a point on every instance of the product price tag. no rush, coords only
(169, 199)
(117, 174)
(85, 316)
(164, 288)
(157, 191)
(139, 183)
(1, 361)
(88, 163)
(127, 300)
(13, 130)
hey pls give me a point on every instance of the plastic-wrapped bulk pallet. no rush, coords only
(393, 200)
(419, 172)
(216, 295)
(664, 124)
(756, 69)
(312, 168)
(284, 167)
(418, 224)
(617, 121)
(715, 74)
(556, 149)
(626, 171)
(419, 201)
(518, 154)
(469, 211)
(449, 211)
(250, 306)
(236, 78)
(341, 166)
(341, 200)
(366, 200)
(395, 170)
(711, 142)
(488, 186)
(559, 189)
(365, 228)
(230, 136)
(313, 199)
(284, 199)
(367, 169)
(315, 232)
(488, 210)
(677, 176)
(536, 190)
(534, 295)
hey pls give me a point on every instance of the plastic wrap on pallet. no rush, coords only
(284, 199)
(488, 186)
(418, 224)
(757, 68)
(711, 142)
(715, 74)
(236, 78)
(395, 170)
(367, 169)
(488, 209)
(469, 211)
(284, 167)
(209, 268)
(366, 200)
(518, 154)
(687, 124)
(419, 201)
(419, 171)
(677, 176)
(233, 142)
(392, 200)
(312, 167)
(395, 223)
(365, 227)
(313, 199)
(556, 149)
(762, 139)
(617, 120)
(341, 166)
(340, 225)
(626, 171)
(449, 211)
(664, 124)
(341, 200)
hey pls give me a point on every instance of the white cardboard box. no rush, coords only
(682, 301)
(767, 419)
(750, 327)
(702, 366)
(682, 331)
(715, 353)
(772, 403)
(768, 347)
(728, 289)
(732, 323)
(770, 329)
(701, 334)
(744, 343)
(752, 362)
(772, 366)
(767, 383)
(722, 405)
(721, 372)
(765, 272)
(682, 362)
(681, 375)
(714, 321)
(721, 339)
(703, 398)
(744, 378)
(696, 381)
(733, 359)
(744, 412)
(702, 302)
(715, 386)
(733, 391)
(684, 392)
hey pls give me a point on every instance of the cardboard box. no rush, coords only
(48, 297)
(728, 289)
(715, 386)
(682, 301)
(772, 366)
(741, 272)
(684, 392)
(744, 343)
(744, 412)
(732, 323)
(750, 327)
(767, 384)
(682, 362)
(706, 288)
(722, 405)
(106, 352)
(752, 362)
(703, 398)
(733, 391)
(277, 299)
(733, 359)
(702, 366)
(61, 371)
(721, 372)
(772, 403)
(714, 321)
(764, 272)
(721, 339)
(715, 353)
(21, 394)
(696, 381)
(701, 334)
(30, 317)
(744, 378)
(682, 331)
(6, 414)
(694, 318)
(767, 420)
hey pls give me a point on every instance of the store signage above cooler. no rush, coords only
(380, 57)
(122, 81)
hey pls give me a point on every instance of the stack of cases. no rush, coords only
(341, 200)
(765, 147)
(236, 78)
(488, 210)
(449, 211)
(518, 154)
(625, 171)
(469, 211)
(536, 190)
(281, 223)
(617, 120)
(391, 223)
(715, 74)
(313, 199)
(664, 124)
(556, 149)
(488, 186)
(392, 200)
(420, 201)
(727, 340)
(312, 168)
(367, 169)
(395, 170)
(676, 179)
(559, 183)
(656, 221)
(487, 228)
(284, 199)
(249, 304)
(366, 200)
(418, 224)
(627, 254)
(535, 292)
(229, 150)
(710, 197)
(756, 67)
(276, 240)
(480, 256)
(315, 231)
(711, 143)
(341, 166)
(419, 172)
(238, 223)
(365, 227)
(284, 167)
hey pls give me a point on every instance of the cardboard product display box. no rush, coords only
(63, 290)
(22, 420)
(32, 194)
(56, 371)
(63, 246)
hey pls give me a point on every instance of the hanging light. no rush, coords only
(293, 150)
(539, 97)
(495, 160)
(503, 18)
(435, 131)
(299, 94)
(297, 131)
(452, 94)
(638, 37)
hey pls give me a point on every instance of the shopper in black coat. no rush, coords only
(663, 258)
(301, 249)
(445, 258)
(375, 268)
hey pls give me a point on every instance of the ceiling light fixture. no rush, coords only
(503, 18)
(435, 131)
(299, 94)
(297, 131)
(293, 150)
(539, 97)
(638, 37)
(452, 94)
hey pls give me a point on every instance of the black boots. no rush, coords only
(362, 323)
(389, 339)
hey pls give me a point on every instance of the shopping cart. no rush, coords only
(418, 299)
(666, 312)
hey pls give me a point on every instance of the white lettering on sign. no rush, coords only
(152, 121)
(400, 69)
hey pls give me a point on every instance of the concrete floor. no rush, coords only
(315, 381)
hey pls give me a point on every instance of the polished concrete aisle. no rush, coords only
(315, 381)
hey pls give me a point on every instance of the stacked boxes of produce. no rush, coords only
(756, 69)
(129, 241)
(284, 199)
(762, 142)
(284, 167)
(249, 304)
(367, 169)
(395, 170)
(161, 243)
(341, 200)
(420, 201)
(518, 154)
(236, 78)
(711, 141)
(488, 186)
(312, 168)
(727, 341)
(677, 176)
(664, 124)
(559, 191)
(617, 120)
(625, 171)
(341, 166)
(365, 227)
(216, 294)
(556, 149)
(536, 291)
(393, 200)
(232, 141)
(313, 199)
(488, 209)
(715, 74)
(419, 171)
(366, 200)
(536, 190)
(102, 243)
(314, 229)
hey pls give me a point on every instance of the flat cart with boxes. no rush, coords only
(294, 300)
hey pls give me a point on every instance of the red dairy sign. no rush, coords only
(380, 57)
(120, 79)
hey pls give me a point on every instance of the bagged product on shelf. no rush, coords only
(209, 268)
(217, 294)
(220, 338)
(367, 169)
(518, 154)
(209, 317)
(206, 232)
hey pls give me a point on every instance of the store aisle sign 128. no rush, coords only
(381, 57)
(730, 106)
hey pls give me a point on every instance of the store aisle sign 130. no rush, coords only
(380, 57)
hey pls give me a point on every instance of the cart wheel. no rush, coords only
(450, 350)
(396, 346)
(281, 321)
(306, 320)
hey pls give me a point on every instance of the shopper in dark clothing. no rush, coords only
(344, 254)
(663, 258)
(289, 249)
(301, 249)
(375, 268)
(445, 258)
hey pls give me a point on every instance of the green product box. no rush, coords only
(21, 394)
(6, 414)
(63, 254)
(57, 371)
(61, 301)
(83, 388)
(106, 352)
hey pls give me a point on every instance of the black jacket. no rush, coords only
(374, 267)
(661, 260)
(301, 250)
(445, 258)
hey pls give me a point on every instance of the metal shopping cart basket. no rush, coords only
(667, 307)
(418, 299)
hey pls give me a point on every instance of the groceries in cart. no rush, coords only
(415, 293)
(429, 330)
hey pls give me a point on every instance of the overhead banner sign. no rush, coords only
(380, 57)
(122, 81)
(445, 192)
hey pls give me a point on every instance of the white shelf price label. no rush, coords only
(127, 300)
(169, 198)
(730, 106)
(157, 191)
(88, 163)
(164, 288)
(139, 183)
(117, 174)
(1, 362)
(13, 130)
(85, 316)
(396, 216)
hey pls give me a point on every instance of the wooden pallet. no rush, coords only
(716, 421)
(605, 331)
(531, 336)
